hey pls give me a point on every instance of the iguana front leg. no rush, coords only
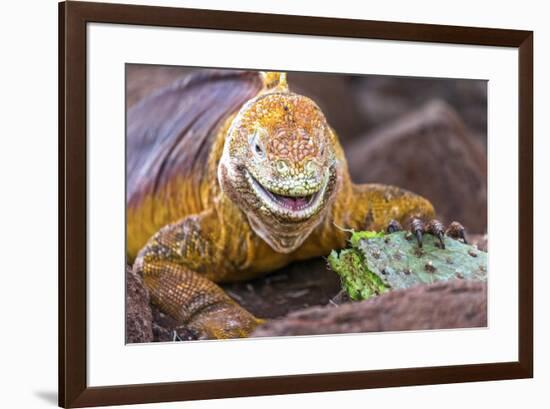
(177, 264)
(374, 206)
(381, 207)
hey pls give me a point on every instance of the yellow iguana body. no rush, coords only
(231, 176)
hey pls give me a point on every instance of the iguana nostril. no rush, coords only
(282, 167)
(312, 169)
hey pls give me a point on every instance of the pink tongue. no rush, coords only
(294, 203)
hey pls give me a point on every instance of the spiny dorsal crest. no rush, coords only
(274, 81)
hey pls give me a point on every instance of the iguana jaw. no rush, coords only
(291, 207)
(281, 232)
(283, 237)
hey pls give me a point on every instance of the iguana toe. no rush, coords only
(456, 231)
(434, 227)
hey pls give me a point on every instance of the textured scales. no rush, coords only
(170, 136)
(230, 176)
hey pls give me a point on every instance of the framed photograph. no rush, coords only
(255, 204)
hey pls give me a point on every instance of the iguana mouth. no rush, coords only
(294, 207)
(291, 202)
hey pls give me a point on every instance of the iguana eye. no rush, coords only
(257, 146)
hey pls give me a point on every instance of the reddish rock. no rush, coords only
(481, 241)
(294, 287)
(444, 305)
(430, 153)
(382, 99)
(138, 313)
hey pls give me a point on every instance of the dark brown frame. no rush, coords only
(73, 389)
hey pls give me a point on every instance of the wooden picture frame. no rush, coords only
(73, 388)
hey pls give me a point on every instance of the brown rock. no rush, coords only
(444, 305)
(167, 329)
(384, 99)
(294, 287)
(430, 153)
(138, 313)
(481, 241)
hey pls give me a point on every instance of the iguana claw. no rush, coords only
(456, 231)
(393, 226)
(417, 228)
(434, 227)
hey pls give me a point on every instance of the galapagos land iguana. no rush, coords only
(230, 175)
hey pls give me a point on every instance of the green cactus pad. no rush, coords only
(358, 281)
(378, 262)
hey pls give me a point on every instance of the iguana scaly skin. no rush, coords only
(230, 176)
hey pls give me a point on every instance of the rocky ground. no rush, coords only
(296, 293)
(427, 135)
(444, 305)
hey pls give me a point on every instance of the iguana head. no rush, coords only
(279, 165)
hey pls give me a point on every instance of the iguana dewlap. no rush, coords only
(230, 176)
